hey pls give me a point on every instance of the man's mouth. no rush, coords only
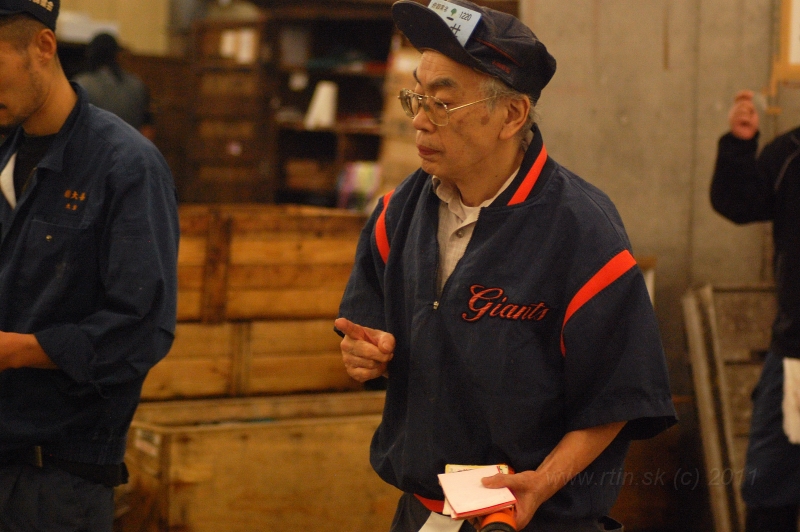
(424, 151)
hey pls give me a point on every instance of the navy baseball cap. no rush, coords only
(45, 11)
(490, 41)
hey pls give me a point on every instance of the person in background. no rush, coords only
(112, 88)
(88, 283)
(498, 294)
(748, 186)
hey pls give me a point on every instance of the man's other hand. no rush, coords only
(365, 352)
(743, 118)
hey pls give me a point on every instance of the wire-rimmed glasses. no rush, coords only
(435, 109)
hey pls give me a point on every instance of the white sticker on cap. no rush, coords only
(460, 20)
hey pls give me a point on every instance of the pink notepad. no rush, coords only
(468, 497)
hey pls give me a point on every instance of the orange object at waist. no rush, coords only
(431, 504)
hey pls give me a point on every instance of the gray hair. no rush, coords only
(495, 88)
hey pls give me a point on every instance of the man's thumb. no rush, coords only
(496, 481)
(386, 343)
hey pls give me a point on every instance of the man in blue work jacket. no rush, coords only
(88, 258)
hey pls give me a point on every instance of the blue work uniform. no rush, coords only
(544, 327)
(88, 264)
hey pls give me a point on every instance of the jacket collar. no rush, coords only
(54, 158)
(533, 173)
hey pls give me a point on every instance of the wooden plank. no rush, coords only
(165, 414)
(297, 373)
(201, 363)
(192, 250)
(298, 337)
(188, 378)
(293, 218)
(190, 277)
(215, 279)
(710, 424)
(189, 305)
(193, 219)
(724, 387)
(194, 340)
(242, 358)
(273, 248)
(278, 304)
(738, 322)
(289, 276)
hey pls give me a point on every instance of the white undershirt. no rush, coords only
(7, 182)
(456, 225)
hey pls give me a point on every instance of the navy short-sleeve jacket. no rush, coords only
(544, 327)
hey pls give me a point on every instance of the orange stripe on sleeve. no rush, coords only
(381, 236)
(525, 188)
(609, 273)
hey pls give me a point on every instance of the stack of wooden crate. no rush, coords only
(728, 331)
(251, 422)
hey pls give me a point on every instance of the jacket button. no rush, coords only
(49, 238)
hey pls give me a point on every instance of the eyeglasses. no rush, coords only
(434, 108)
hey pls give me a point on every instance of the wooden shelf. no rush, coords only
(340, 129)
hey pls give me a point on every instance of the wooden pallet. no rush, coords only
(728, 331)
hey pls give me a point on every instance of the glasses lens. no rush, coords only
(436, 110)
(410, 103)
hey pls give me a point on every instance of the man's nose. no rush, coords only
(421, 122)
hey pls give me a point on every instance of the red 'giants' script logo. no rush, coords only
(493, 303)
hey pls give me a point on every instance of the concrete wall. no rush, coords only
(638, 102)
(143, 24)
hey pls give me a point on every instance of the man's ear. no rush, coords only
(46, 45)
(517, 110)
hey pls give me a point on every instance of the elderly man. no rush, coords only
(498, 294)
(88, 283)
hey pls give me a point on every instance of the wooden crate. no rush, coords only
(251, 262)
(298, 462)
(728, 330)
(250, 358)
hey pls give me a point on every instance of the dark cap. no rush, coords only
(45, 11)
(499, 44)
